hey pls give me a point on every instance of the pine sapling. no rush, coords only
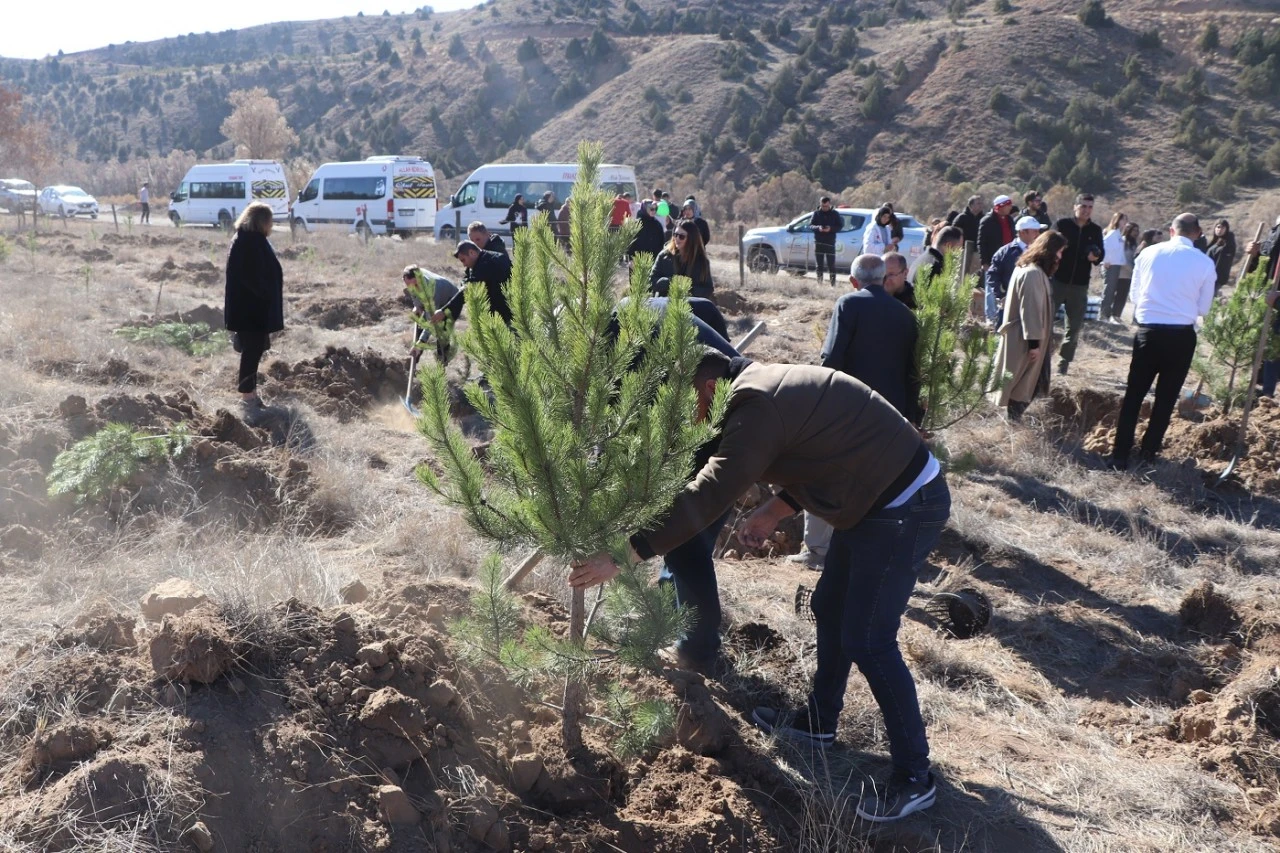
(1231, 330)
(95, 466)
(594, 435)
(956, 360)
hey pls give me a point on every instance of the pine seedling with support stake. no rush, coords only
(956, 359)
(594, 436)
(1231, 329)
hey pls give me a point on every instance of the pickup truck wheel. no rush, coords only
(763, 260)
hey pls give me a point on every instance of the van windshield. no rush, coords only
(355, 189)
(310, 191)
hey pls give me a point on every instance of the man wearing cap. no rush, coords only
(1000, 271)
(489, 268)
(1173, 285)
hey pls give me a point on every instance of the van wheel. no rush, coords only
(363, 232)
(446, 234)
(295, 226)
(763, 260)
(175, 219)
(224, 220)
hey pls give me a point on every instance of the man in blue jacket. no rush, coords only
(1000, 272)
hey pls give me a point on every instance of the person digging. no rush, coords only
(840, 451)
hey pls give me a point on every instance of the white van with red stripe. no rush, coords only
(384, 195)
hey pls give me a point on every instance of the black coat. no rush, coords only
(255, 286)
(493, 270)
(1041, 215)
(968, 223)
(1223, 255)
(1076, 268)
(495, 244)
(872, 337)
(826, 219)
(517, 216)
(648, 239)
(991, 237)
(668, 265)
(703, 228)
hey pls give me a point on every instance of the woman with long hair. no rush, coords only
(1112, 265)
(254, 300)
(1222, 251)
(1121, 298)
(1027, 331)
(1149, 238)
(878, 236)
(686, 256)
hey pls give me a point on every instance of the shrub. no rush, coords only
(1002, 7)
(1149, 39)
(1188, 192)
(94, 467)
(1094, 14)
(953, 175)
(1210, 38)
(457, 50)
(1260, 81)
(998, 100)
(1231, 329)
(1058, 163)
(955, 369)
(527, 51)
(192, 338)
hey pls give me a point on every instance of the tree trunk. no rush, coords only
(571, 725)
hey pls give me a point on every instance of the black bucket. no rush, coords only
(963, 614)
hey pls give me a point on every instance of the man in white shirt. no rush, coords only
(144, 198)
(1172, 286)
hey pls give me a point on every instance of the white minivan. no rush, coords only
(385, 194)
(489, 191)
(216, 193)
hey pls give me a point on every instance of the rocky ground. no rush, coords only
(263, 620)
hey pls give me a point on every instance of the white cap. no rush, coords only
(1001, 199)
(1029, 223)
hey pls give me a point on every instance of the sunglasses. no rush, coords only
(680, 235)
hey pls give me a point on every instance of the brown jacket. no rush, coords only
(837, 449)
(1028, 315)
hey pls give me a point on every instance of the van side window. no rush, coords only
(355, 189)
(466, 195)
(500, 194)
(218, 189)
(310, 191)
(852, 221)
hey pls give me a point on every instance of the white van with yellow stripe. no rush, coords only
(216, 193)
(386, 194)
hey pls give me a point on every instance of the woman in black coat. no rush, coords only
(517, 214)
(684, 256)
(254, 307)
(1222, 251)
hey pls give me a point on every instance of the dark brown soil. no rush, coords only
(340, 383)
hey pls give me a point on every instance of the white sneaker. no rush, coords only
(810, 559)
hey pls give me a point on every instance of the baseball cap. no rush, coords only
(1027, 223)
(1001, 199)
(464, 245)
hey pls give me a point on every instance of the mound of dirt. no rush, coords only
(1209, 613)
(732, 302)
(379, 738)
(95, 255)
(353, 313)
(207, 314)
(340, 383)
(114, 371)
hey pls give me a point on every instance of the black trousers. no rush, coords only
(252, 346)
(825, 254)
(1161, 354)
(146, 212)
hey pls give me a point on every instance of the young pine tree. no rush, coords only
(594, 436)
(1231, 329)
(956, 360)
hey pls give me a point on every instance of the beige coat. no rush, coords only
(1028, 314)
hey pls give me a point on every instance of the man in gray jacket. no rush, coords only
(837, 449)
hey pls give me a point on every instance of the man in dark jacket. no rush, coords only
(1270, 247)
(1035, 207)
(945, 240)
(477, 233)
(835, 448)
(649, 238)
(490, 268)
(995, 230)
(997, 276)
(1071, 279)
(969, 220)
(826, 224)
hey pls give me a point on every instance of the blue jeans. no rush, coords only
(693, 569)
(859, 601)
(992, 306)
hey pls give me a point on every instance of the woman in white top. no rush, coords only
(1113, 260)
(877, 237)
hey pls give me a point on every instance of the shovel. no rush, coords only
(531, 562)
(413, 368)
(1243, 438)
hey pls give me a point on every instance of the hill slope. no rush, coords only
(730, 93)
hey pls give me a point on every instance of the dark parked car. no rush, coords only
(17, 194)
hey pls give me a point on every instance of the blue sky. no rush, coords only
(33, 29)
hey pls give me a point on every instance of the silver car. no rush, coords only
(67, 201)
(17, 194)
(790, 247)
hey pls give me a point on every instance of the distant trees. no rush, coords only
(256, 127)
(24, 143)
(1094, 14)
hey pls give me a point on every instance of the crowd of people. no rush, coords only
(842, 441)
